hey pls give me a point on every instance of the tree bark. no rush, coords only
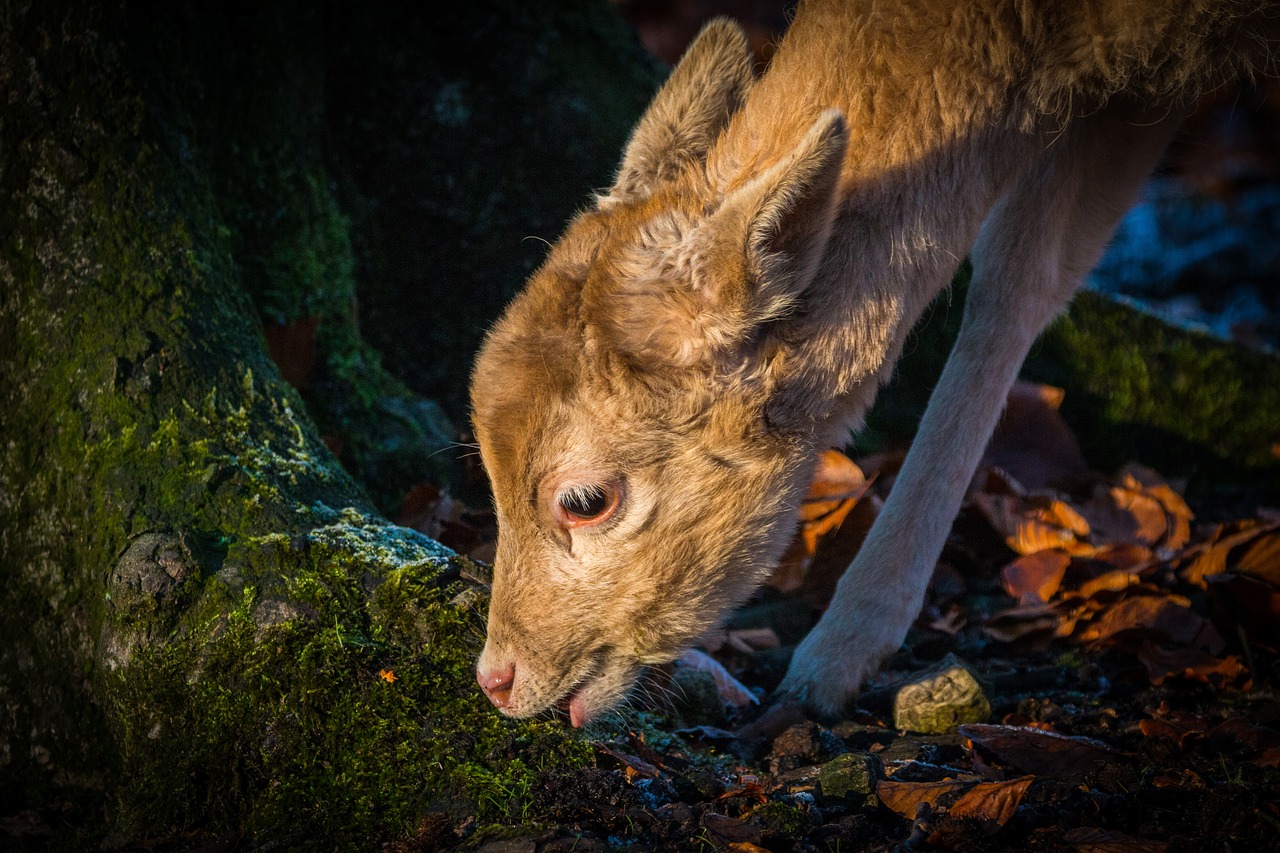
(209, 624)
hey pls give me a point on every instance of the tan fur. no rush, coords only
(732, 304)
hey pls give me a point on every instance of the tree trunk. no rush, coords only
(209, 625)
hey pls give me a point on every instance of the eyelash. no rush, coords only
(585, 495)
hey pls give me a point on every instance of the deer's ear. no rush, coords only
(783, 218)
(682, 122)
(707, 299)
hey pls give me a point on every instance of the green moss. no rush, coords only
(1187, 404)
(198, 601)
(1136, 390)
(782, 819)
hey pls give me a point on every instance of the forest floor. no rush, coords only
(1095, 670)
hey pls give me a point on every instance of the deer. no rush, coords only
(649, 407)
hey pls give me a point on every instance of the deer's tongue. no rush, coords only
(577, 713)
(576, 708)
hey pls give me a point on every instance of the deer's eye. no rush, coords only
(580, 505)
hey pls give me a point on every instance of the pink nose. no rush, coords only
(496, 684)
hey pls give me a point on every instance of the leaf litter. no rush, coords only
(1128, 649)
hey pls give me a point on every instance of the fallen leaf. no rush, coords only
(727, 831)
(836, 486)
(1242, 737)
(731, 690)
(1210, 558)
(1034, 524)
(1123, 514)
(1257, 606)
(1041, 753)
(951, 622)
(1124, 555)
(1032, 441)
(746, 641)
(1164, 663)
(1035, 577)
(1162, 617)
(1090, 839)
(387, 675)
(905, 797)
(1261, 559)
(634, 766)
(1113, 581)
(991, 804)
(1025, 620)
(1178, 726)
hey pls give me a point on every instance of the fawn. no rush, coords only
(650, 406)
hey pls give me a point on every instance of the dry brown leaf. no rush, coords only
(1178, 726)
(1115, 581)
(905, 797)
(1164, 617)
(745, 641)
(951, 621)
(1210, 557)
(1090, 839)
(1026, 620)
(1163, 663)
(1240, 736)
(1035, 577)
(837, 551)
(1032, 442)
(837, 485)
(1208, 563)
(1261, 559)
(1124, 555)
(1122, 514)
(634, 766)
(1030, 524)
(726, 830)
(992, 804)
(1041, 753)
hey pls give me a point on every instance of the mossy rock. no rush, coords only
(1189, 405)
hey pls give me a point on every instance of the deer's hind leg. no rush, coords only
(1034, 250)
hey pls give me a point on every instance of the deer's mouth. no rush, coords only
(606, 681)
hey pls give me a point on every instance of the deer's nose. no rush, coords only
(496, 684)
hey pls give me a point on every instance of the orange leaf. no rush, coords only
(905, 797)
(1166, 617)
(1262, 559)
(1163, 664)
(1029, 525)
(387, 675)
(1035, 577)
(992, 804)
(1120, 514)
(837, 485)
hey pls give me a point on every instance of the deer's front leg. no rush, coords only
(1034, 250)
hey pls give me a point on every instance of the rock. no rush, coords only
(696, 697)
(850, 778)
(803, 744)
(941, 700)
